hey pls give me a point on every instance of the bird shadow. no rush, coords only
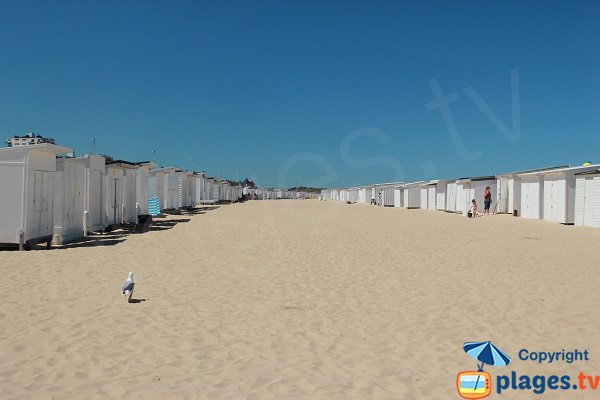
(136, 301)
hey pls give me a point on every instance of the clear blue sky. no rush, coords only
(300, 92)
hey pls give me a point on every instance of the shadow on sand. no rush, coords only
(163, 225)
(119, 235)
(95, 240)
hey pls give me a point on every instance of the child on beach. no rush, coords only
(473, 211)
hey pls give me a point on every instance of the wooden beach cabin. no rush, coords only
(531, 198)
(553, 191)
(412, 195)
(440, 195)
(387, 195)
(69, 198)
(398, 196)
(173, 189)
(365, 194)
(508, 198)
(186, 189)
(207, 195)
(224, 194)
(95, 173)
(587, 198)
(158, 185)
(352, 194)
(26, 202)
(451, 196)
(335, 194)
(214, 189)
(428, 195)
(200, 186)
(142, 178)
(472, 188)
(120, 193)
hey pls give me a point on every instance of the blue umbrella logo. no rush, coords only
(487, 353)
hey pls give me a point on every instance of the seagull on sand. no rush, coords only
(127, 287)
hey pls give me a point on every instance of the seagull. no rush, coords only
(127, 287)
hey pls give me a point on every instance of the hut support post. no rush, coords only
(21, 240)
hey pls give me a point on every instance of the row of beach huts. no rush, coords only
(564, 194)
(48, 195)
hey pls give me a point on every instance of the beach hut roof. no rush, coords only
(164, 169)
(150, 164)
(507, 174)
(476, 178)
(388, 184)
(412, 184)
(121, 163)
(183, 171)
(576, 169)
(430, 183)
(592, 172)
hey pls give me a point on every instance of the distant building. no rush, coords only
(27, 140)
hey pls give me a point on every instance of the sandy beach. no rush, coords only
(298, 300)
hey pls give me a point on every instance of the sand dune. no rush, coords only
(297, 300)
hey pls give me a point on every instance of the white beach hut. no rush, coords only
(200, 186)
(387, 195)
(587, 198)
(550, 194)
(428, 194)
(353, 195)
(423, 195)
(531, 199)
(508, 198)
(173, 199)
(158, 185)
(26, 200)
(365, 194)
(69, 191)
(193, 184)
(225, 191)
(508, 193)
(187, 189)
(559, 193)
(451, 196)
(343, 195)
(142, 181)
(95, 172)
(120, 194)
(214, 188)
(398, 196)
(472, 188)
(440, 195)
(412, 195)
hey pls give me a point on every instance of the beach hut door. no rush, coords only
(95, 200)
(42, 217)
(553, 200)
(451, 197)
(115, 203)
(588, 201)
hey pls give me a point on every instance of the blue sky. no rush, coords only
(310, 93)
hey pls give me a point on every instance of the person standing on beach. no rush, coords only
(487, 200)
